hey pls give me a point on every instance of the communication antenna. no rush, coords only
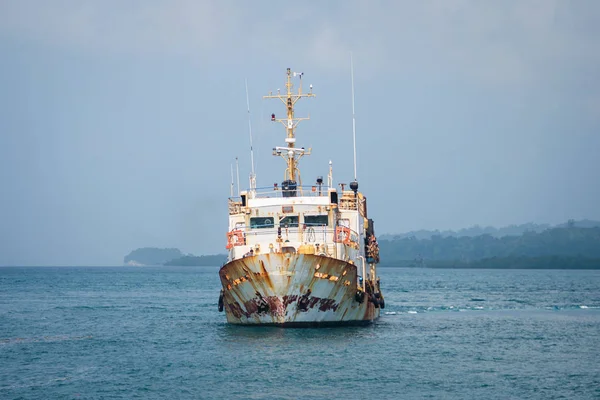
(237, 167)
(231, 189)
(353, 114)
(252, 174)
(353, 184)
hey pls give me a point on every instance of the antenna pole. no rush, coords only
(237, 167)
(353, 114)
(252, 174)
(231, 189)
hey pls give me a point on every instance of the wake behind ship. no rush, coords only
(300, 255)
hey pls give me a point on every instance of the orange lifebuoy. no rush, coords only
(342, 235)
(234, 238)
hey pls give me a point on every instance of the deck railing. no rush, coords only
(299, 191)
(303, 234)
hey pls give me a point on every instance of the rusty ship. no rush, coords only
(300, 255)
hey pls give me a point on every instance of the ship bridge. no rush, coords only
(317, 220)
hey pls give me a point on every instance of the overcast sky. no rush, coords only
(119, 121)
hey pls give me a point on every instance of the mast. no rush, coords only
(290, 153)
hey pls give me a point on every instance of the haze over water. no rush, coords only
(119, 122)
(155, 333)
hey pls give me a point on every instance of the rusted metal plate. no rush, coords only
(293, 289)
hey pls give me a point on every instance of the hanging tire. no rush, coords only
(374, 300)
(359, 297)
(221, 304)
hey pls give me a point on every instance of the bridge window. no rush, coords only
(316, 220)
(289, 221)
(261, 222)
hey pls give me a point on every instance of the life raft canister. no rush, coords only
(342, 235)
(234, 238)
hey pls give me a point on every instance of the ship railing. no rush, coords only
(298, 191)
(235, 205)
(348, 201)
(305, 233)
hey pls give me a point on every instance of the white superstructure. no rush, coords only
(299, 254)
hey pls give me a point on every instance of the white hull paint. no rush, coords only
(294, 290)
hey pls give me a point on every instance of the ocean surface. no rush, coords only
(156, 333)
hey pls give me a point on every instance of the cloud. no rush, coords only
(140, 26)
(511, 43)
(467, 97)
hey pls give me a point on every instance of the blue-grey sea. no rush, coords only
(156, 333)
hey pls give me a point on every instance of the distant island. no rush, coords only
(148, 256)
(151, 256)
(572, 245)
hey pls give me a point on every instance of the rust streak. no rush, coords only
(266, 274)
(270, 288)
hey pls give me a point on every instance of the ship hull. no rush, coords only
(294, 290)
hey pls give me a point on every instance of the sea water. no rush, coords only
(156, 333)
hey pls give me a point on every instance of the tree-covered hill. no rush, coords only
(560, 242)
(477, 230)
(566, 246)
(151, 256)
